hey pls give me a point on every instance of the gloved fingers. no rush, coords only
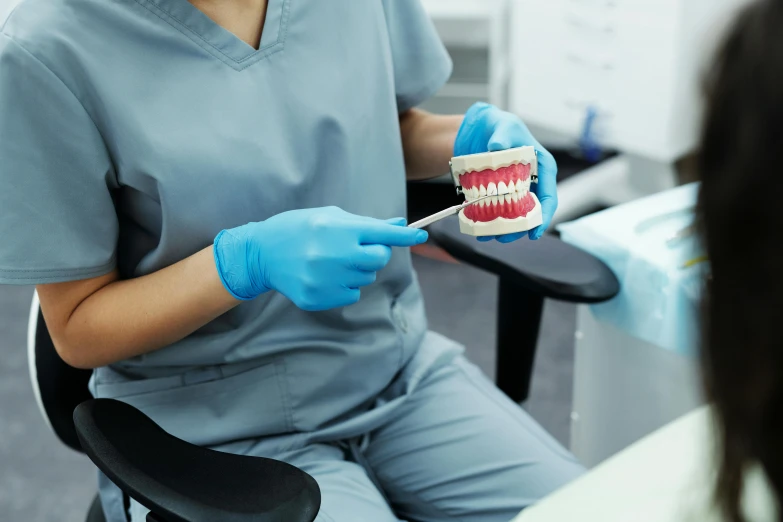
(398, 221)
(547, 172)
(546, 190)
(510, 238)
(505, 238)
(342, 297)
(548, 208)
(360, 278)
(319, 301)
(371, 258)
(350, 296)
(471, 137)
(379, 233)
(536, 233)
(509, 135)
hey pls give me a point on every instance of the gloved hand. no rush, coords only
(318, 258)
(488, 129)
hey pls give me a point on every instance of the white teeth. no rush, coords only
(502, 188)
(482, 191)
(494, 200)
(492, 189)
(508, 198)
(482, 202)
(474, 192)
(514, 197)
(520, 186)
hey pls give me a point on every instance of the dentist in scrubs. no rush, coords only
(207, 195)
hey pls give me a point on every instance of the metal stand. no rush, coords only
(519, 320)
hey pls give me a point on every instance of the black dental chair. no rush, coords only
(179, 482)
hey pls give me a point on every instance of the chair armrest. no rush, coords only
(529, 272)
(548, 267)
(181, 482)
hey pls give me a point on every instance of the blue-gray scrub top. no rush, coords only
(133, 131)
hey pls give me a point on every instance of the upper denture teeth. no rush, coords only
(502, 188)
(492, 189)
(482, 191)
(520, 186)
(474, 192)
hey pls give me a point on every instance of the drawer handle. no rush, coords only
(605, 65)
(610, 4)
(579, 23)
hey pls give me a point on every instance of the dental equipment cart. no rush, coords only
(636, 365)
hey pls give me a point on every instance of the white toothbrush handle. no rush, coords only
(436, 217)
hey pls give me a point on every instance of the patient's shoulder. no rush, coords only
(666, 477)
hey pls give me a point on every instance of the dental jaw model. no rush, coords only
(505, 175)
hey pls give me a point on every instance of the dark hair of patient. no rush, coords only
(741, 218)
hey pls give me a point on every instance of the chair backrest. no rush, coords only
(58, 388)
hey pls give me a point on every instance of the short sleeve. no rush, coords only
(57, 218)
(421, 63)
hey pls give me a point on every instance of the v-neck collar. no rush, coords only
(221, 43)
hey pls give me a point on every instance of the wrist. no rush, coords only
(230, 254)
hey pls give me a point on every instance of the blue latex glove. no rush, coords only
(317, 258)
(488, 129)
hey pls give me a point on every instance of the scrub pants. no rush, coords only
(450, 447)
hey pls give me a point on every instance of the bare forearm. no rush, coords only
(428, 142)
(123, 319)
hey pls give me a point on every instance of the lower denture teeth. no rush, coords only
(514, 197)
(508, 198)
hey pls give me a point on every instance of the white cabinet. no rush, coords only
(637, 63)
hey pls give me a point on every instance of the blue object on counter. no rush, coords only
(659, 296)
(588, 142)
